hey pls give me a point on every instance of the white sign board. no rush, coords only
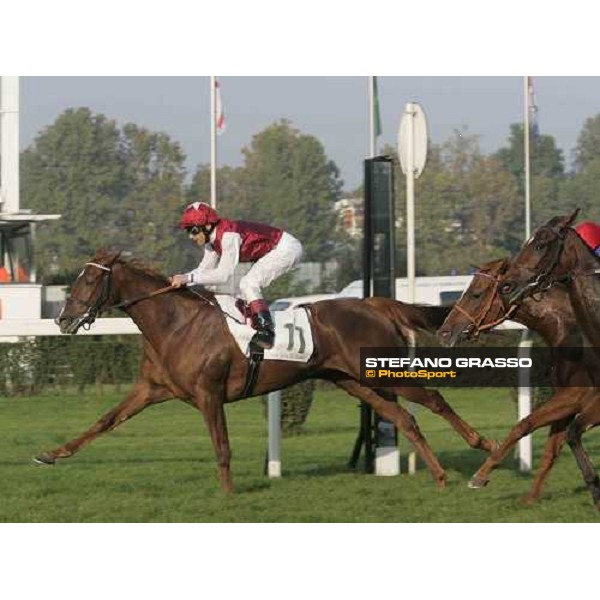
(413, 125)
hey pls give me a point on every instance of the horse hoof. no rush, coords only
(442, 482)
(529, 500)
(45, 458)
(476, 483)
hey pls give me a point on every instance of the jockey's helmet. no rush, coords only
(589, 232)
(198, 214)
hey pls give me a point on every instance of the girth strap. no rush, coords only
(256, 357)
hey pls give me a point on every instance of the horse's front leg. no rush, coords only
(589, 417)
(142, 395)
(565, 403)
(554, 444)
(212, 407)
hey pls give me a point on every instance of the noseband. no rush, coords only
(476, 327)
(94, 310)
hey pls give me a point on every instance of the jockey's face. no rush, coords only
(198, 235)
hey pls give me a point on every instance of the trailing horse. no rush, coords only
(576, 396)
(190, 354)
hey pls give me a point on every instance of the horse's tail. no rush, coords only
(410, 318)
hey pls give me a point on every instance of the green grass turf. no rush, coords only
(160, 467)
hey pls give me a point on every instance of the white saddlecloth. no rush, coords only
(293, 335)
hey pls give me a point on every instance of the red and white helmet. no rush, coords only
(198, 214)
(589, 232)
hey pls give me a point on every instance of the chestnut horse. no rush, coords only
(190, 354)
(482, 307)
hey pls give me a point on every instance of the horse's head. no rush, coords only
(541, 261)
(480, 307)
(90, 294)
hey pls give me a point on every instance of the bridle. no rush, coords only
(95, 309)
(547, 278)
(476, 327)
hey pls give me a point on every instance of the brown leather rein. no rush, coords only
(477, 320)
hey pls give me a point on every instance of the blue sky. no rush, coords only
(334, 109)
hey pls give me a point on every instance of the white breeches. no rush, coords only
(285, 256)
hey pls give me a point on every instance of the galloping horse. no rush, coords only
(190, 354)
(483, 307)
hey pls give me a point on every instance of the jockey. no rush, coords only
(273, 252)
(589, 232)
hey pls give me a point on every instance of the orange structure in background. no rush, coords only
(22, 275)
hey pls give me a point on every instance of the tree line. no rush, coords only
(124, 187)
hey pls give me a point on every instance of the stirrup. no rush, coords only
(263, 338)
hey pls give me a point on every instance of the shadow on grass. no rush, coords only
(112, 461)
(467, 462)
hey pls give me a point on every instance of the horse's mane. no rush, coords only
(139, 267)
(494, 267)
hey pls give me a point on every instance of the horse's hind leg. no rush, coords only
(436, 403)
(554, 444)
(563, 404)
(589, 417)
(402, 419)
(142, 395)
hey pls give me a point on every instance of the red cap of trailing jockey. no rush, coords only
(199, 214)
(589, 232)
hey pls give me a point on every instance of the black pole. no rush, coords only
(378, 278)
(365, 433)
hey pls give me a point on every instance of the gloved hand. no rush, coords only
(178, 280)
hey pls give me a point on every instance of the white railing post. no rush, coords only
(524, 402)
(274, 420)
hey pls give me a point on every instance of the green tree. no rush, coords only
(466, 208)
(289, 181)
(154, 195)
(75, 168)
(113, 188)
(546, 168)
(581, 191)
(546, 159)
(588, 142)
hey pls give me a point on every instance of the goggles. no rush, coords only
(194, 230)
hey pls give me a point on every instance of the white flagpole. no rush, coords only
(527, 164)
(213, 141)
(524, 394)
(372, 137)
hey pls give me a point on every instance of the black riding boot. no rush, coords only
(265, 330)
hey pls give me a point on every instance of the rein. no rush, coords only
(127, 303)
(96, 309)
(477, 320)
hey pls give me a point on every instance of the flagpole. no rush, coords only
(524, 397)
(213, 141)
(527, 162)
(372, 133)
